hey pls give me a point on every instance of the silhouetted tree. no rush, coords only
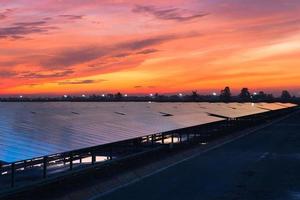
(262, 95)
(118, 96)
(195, 95)
(270, 97)
(285, 94)
(225, 94)
(245, 94)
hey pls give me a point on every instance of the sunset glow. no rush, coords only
(137, 46)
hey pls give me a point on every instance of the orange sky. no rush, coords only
(137, 46)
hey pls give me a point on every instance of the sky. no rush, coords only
(138, 46)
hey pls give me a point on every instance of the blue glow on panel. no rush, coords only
(31, 130)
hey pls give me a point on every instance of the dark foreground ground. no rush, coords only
(263, 165)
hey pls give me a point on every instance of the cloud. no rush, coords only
(122, 55)
(72, 17)
(30, 24)
(156, 40)
(74, 56)
(47, 18)
(40, 75)
(7, 74)
(147, 51)
(9, 63)
(143, 52)
(80, 82)
(5, 13)
(20, 29)
(147, 42)
(174, 14)
(140, 86)
(2, 16)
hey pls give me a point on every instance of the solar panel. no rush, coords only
(30, 130)
(273, 106)
(231, 110)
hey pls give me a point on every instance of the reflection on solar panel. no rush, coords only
(30, 130)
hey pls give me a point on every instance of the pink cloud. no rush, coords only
(53, 40)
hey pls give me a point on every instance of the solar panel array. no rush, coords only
(30, 130)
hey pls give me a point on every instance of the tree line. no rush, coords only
(246, 96)
(225, 95)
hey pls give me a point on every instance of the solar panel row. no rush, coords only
(30, 130)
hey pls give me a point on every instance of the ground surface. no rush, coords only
(264, 165)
